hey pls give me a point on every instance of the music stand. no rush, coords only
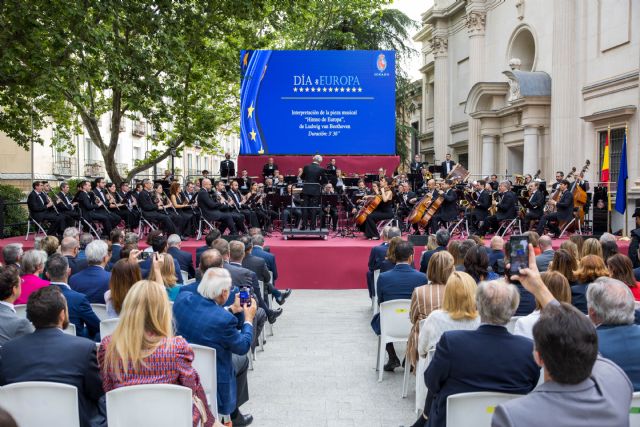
(318, 233)
(350, 182)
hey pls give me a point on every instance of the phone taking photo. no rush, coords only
(245, 296)
(519, 254)
(144, 255)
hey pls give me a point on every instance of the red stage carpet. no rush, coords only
(337, 263)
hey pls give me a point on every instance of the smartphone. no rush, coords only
(144, 255)
(245, 296)
(519, 254)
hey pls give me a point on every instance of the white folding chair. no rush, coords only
(21, 310)
(107, 327)
(185, 276)
(512, 323)
(261, 337)
(205, 363)
(36, 226)
(157, 405)
(271, 302)
(39, 403)
(374, 299)
(394, 327)
(474, 409)
(634, 411)
(100, 310)
(421, 387)
(71, 329)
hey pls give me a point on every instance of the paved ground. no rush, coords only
(319, 368)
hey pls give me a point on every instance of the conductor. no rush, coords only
(312, 175)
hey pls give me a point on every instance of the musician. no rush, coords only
(329, 211)
(559, 178)
(564, 211)
(153, 209)
(139, 189)
(130, 204)
(205, 175)
(381, 174)
(246, 182)
(93, 209)
(212, 208)
(168, 178)
(181, 205)
(528, 179)
(234, 194)
(227, 168)
(507, 208)
(447, 167)
(382, 212)
(406, 200)
(269, 168)
(312, 175)
(39, 208)
(583, 183)
(536, 200)
(300, 181)
(493, 182)
(448, 211)
(269, 188)
(238, 218)
(67, 206)
(416, 165)
(99, 190)
(181, 223)
(339, 181)
(292, 210)
(331, 167)
(480, 211)
(255, 200)
(116, 207)
(362, 189)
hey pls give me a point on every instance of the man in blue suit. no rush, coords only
(209, 239)
(49, 354)
(185, 259)
(397, 283)
(202, 319)
(378, 255)
(611, 308)
(487, 359)
(159, 245)
(93, 281)
(80, 312)
(117, 240)
(442, 240)
(257, 240)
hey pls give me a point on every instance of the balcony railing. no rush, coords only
(139, 128)
(94, 168)
(64, 165)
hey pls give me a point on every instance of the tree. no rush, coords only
(66, 63)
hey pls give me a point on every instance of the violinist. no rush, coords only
(382, 212)
(536, 200)
(564, 211)
(449, 209)
(181, 205)
(480, 211)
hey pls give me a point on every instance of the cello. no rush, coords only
(550, 207)
(369, 206)
(433, 208)
(579, 195)
(419, 209)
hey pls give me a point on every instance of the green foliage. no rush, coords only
(13, 214)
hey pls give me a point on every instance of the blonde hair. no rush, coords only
(460, 296)
(431, 242)
(591, 247)
(570, 247)
(391, 249)
(440, 267)
(145, 320)
(591, 267)
(168, 272)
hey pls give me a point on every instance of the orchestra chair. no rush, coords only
(395, 326)
(71, 329)
(507, 226)
(421, 387)
(204, 362)
(144, 226)
(634, 411)
(100, 310)
(150, 405)
(107, 327)
(83, 222)
(37, 228)
(460, 227)
(374, 298)
(21, 310)
(474, 409)
(203, 224)
(512, 323)
(387, 222)
(41, 403)
(575, 220)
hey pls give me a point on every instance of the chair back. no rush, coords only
(634, 411)
(39, 403)
(150, 405)
(185, 276)
(21, 310)
(474, 409)
(205, 363)
(108, 326)
(100, 310)
(511, 326)
(394, 319)
(71, 329)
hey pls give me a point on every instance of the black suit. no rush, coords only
(313, 175)
(185, 259)
(39, 211)
(481, 210)
(92, 212)
(248, 215)
(536, 200)
(227, 169)
(507, 209)
(51, 355)
(292, 211)
(211, 209)
(564, 213)
(150, 212)
(76, 265)
(415, 167)
(67, 209)
(443, 165)
(448, 210)
(114, 217)
(268, 170)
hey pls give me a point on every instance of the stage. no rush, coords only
(335, 263)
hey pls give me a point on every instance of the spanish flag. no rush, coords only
(604, 175)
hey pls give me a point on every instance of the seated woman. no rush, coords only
(33, 262)
(124, 274)
(564, 263)
(621, 268)
(591, 267)
(143, 350)
(427, 298)
(476, 264)
(390, 260)
(166, 275)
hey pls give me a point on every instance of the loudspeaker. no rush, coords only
(418, 240)
(600, 217)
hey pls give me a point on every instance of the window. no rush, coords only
(615, 152)
(189, 161)
(463, 159)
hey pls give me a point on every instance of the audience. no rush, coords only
(71, 232)
(620, 268)
(546, 254)
(185, 259)
(257, 241)
(607, 237)
(636, 271)
(84, 240)
(486, 359)
(143, 349)
(33, 263)
(131, 239)
(591, 267)
(165, 274)
(12, 254)
(442, 240)
(117, 241)
(533, 238)
(124, 275)
(69, 249)
(428, 298)
(565, 264)
(259, 266)
(49, 354)
(11, 325)
(476, 264)
(559, 287)
(202, 319)
(465, 246)
(634, 244)
(591, 247)
(209, 239)
(159, 246)
(572, 248)
(377, 256)
(80, 312)
(50, 245)
(611, 309)
(398, 283)
(93, 281)
(609, 249)
(454, 249)
(6, 420)
(579, 241)
(496, 255)
(431, 243)
(390, 259)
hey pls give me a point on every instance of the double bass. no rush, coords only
(369, 206)
(579, 195)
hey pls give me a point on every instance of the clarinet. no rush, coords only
(52, 204)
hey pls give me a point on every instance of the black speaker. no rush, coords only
(600, 216)
(418, 240)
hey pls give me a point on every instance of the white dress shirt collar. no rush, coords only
(8, 304)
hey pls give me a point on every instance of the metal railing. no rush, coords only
(94, 168)
(64, 165)
(17, 226)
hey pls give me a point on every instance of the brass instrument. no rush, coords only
(495, 199)
(519, 180)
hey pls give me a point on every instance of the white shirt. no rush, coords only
(524, 325)
(60, 284)
(8, 304)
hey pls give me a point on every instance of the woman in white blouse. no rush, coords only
(559, 287)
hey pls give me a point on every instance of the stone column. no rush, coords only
(530, 161)
(476, 27)
(439, 44)
(564, 90)
(488, 155)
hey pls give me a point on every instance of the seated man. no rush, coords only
(496, 254)
(185, 259)
(11, 325)
(611, 308)
(544, 259)
(202, 319)
(397, 283)
(379, 253)
(49, 354)
(442, 240)
(41, 208)
(259, 266)
(208, 240)
(93, 281)
(487, 359)
(159, 245)
(69, 248)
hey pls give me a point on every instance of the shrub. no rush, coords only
(12, 213)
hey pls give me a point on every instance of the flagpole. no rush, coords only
(609, 179)
(625, 234)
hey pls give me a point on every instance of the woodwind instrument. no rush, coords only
(52, 204)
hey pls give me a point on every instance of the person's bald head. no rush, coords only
(69, 245)
(210, 258)
(545, 243)
(206, 184)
